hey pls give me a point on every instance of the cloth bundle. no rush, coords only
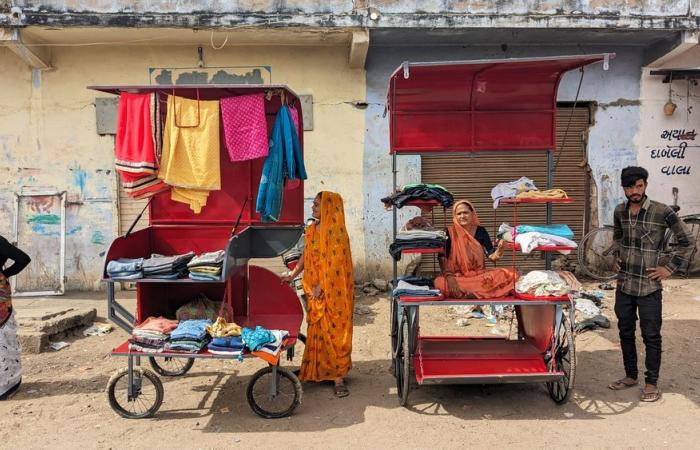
(413, 235)
(207, 266)
(419, 192)
(418, 223)
(166, 267)
(125, 268)
(152, 334)
(221, 329)
(190, 336)
(199, 308)
(542, 283)
(138, 144)
(511, 189)
(546, 194)
(284, 160)
(404, 288)
(190, 161)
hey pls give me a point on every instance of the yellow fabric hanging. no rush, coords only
(190, 160)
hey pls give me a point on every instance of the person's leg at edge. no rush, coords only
(650, 323)
(626, 312)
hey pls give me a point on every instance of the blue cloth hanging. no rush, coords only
(283, 161)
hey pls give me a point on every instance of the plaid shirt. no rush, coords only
(639, 240)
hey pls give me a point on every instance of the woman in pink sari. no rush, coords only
(463, 268)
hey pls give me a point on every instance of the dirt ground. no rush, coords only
(63, 404)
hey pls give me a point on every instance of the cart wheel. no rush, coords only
(403, 362)
(147, 393)
(394, 326)
(277, 403)
(171, 367)
(563, 359)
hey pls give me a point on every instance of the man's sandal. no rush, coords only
(620, 385)
(650, 396)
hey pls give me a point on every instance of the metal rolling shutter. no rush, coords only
(129, 208)
(472, 177)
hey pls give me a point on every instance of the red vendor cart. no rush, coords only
(477, 107)
(228, 222)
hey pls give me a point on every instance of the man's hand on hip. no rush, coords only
(658, 273)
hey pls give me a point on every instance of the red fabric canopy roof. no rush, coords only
(485, 105)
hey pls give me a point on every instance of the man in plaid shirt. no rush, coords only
(640, 225)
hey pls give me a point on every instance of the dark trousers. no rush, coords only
(649, 307)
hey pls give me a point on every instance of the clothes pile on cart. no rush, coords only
(523, 188)
(415, 287)
(547, 283)
(207, 266)
(529, 237)
(418, 233)
(419, 192)
(151, 335)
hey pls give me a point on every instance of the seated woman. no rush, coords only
(463, 269)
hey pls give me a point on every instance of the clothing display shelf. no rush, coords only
(461, 106)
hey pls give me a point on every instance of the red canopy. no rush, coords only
(467, 106)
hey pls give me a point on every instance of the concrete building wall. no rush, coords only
(48, 138)
(611, 143)
(672, 156)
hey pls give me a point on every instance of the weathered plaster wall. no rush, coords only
(660, 14)
(611, 139)
(48, 137)
(673, 159)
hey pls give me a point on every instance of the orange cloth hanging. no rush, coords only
(328, 264)
(466, 262)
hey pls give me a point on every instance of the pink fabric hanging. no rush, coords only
(245, 127)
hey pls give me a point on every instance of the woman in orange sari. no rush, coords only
(328, 284)
(463, 270)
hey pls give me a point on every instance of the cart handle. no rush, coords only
(238, 220)
(133, 224)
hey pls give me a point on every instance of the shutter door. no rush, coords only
(472, 177)
(129, 208)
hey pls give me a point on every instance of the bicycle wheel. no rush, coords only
(146, 393)
(562, 359)
(595, 255)
(171, 367)
(692, 224)
(278, 402)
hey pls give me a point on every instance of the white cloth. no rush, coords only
(587, 308)
(529, 241)
(408, 286)
(274, 348)
(542, 283)
(10, 355)
(511, 189)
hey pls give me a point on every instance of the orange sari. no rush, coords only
(328, 264)
(466, 262)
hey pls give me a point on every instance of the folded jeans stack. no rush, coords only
(229, 345)
(405, 289)
(190, 336)
(420, 192)
(166, 267)
(207, 266)
(125, 268)
(151, 335)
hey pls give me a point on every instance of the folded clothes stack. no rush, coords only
(417, 281)
(419, 192)
(152, 334)
(207, 266)
(273, 348)
(511, 189)
(406, 289)
(229, 345)
(166, 267)
(416, 239)
(530, 237)
(125, 268)
(190, 336)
